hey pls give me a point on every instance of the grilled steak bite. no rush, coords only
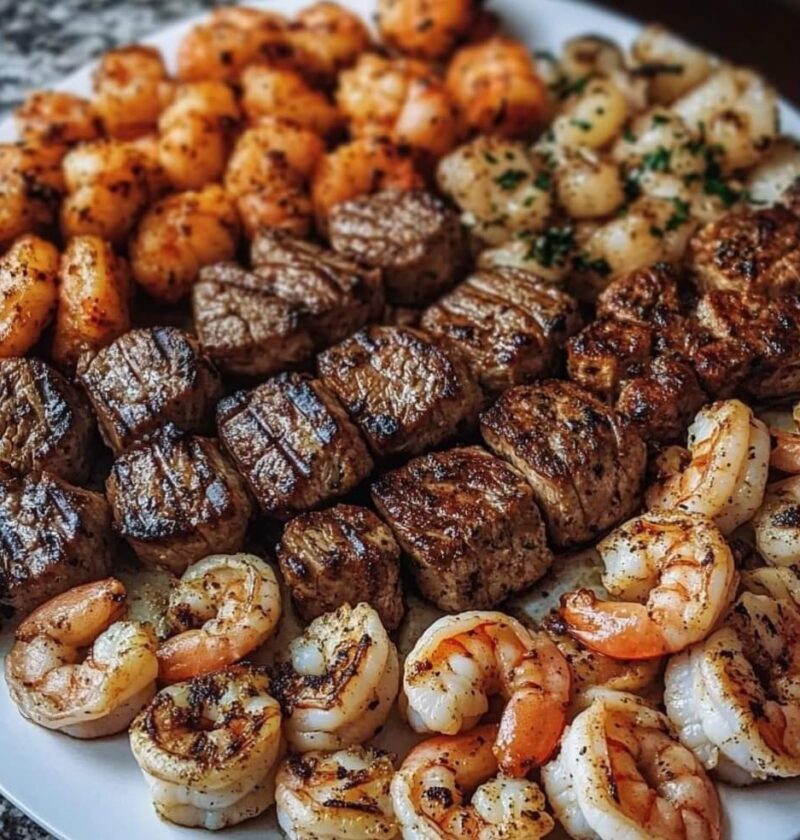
(243, 326)
(508, 324)
(645, 296)
(146, 379)
(45, 422)
(176, 499)
(470, 525)
(293, 443)
(412, 236)
(53, 536)
(585, 464)
(342, 555)
(334, 295)
(405, 389)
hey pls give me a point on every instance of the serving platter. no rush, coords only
(79, 790)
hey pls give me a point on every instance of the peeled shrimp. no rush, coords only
(224, 607)
(340, 680)
(675, 575)
(344, 794)
(622, 773)
(209, 748)
(777, 523)
(90, 697)
(461, 660)
(784, 427)
(727, 473)
(430, 788)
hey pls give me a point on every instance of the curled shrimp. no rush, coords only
(340, 680)
(776, 524)
(462, 660)
(622, 772)
(224, 607)
(430, 789)
(676, 577)
(90, 697)
(343, 794)
(784, 427)
(209, 748)
(727, 472)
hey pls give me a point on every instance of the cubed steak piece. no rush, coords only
(53, 536)
(412, 236)
(293, 443)
(470, 525)
(645, 296)
(45, 422)
(508, 323)
(146, 379)
(335, 295)
(176, 499)
(245, 328)
(585, 464)
(342, 555)
(406, 389)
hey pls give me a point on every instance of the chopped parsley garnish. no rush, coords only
(599, 266)
(583, 125)
(628, 135)
(660, 119)
(543, 181)
(489, 157)
(631, 186)
(656, 231)
(511, 178)
(657, 161)
(553, 247)
(681, 214)
(564, 87)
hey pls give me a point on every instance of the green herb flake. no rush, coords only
(657, 161)
(511, 179)
(681, 214)
(598, 266)
(656, 231)
(583, 125)
(553, 247)
(489, 157)
(627, 135)
(543, 181)
(660, 119)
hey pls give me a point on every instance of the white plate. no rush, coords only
(81, 790)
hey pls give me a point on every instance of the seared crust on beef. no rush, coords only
(293, 443)
(45, 422)
(645, 296)
(342, 555)
(470, 525)
(412, 236)
(585, 464)
(146, 379)
(53, 536)
(405, 389)
(176, 499)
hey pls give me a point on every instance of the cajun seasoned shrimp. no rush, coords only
(622, 772)
(735, 698)
(209, 748)
(430, 789)
(779, 582)
(676, 577)
(84, 697)
(425, 28)
(224, 607)
(462, 660)
(340, 680)
(777, 523)
(784, 427)
(52, 116)
(343, 794)
(726, 476)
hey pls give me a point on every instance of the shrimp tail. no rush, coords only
(530, 730)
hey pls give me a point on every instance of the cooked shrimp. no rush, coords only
(777, 523)
(779, 582)
(224, 607)
(735, 698)
(727, 473)
(209, 748)
(344, 794)
(426, 28)
(340, 680)
(462, 660)
(430, 789)
(784, 427)
(54, 686)
(51, 116)
(676, 576)
(621, 772)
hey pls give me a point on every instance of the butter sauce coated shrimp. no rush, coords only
(209, 748)
(776, 524)
(95, 696)
(462, 660)
(676, 577)
(224, 607)
(622, 772)
(432, 785)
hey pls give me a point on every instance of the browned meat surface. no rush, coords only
(791, 197)
(470, 525)
(146, 379)
(401, 316)
(405, 389)
(645, 296)
(53, 536)
(342, 555)
(176, 499)
(335, 295)
(509, 325)
(750, 250)
(412, 236)
(45, 422)
(585, 464)
(293, 443)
